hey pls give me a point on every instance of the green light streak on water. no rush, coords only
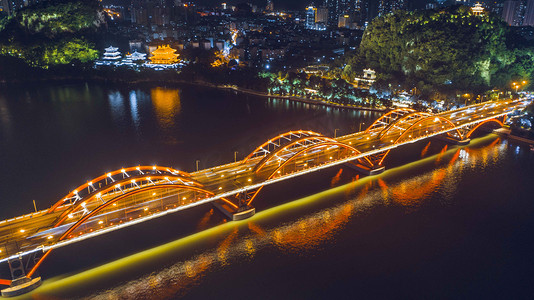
(58, 285)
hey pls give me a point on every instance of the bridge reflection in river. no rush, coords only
(297, 237)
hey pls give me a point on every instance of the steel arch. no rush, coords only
(100, 193)
(294, 156)
(406, 117)
(426, 119)
(321, 139)
(140, 169)
(378, 123)
(407, 130)
(468, 134)
(111, 202)
(259, 151)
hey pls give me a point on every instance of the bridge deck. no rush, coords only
(36, 232)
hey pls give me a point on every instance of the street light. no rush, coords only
(335, 132)
(197, 164)
(361, 126)
(235, 156)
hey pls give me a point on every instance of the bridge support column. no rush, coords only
(243, 211)
(450, 140)
(20, 283)
(366, 170)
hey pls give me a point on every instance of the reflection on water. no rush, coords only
(116, 102)
(134, 110)
(408, 188)
(5, 118)
(166, 106)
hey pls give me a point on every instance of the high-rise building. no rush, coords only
(495, 7)
(321, 15)
(10, 6)
(331, 5)
(388, 6)
(508, 11)
(270, 5)
(310, 17)
(344, 21)
(149, 12)
(529, 14)
(513, 12)
(340, 8)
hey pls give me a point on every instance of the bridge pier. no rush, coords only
(234, 214)
(450, 140)
(366, 170)
(20, 283)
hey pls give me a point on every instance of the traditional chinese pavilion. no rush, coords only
(164, 55)
(112, 53)
(136, 56)
(478, 9)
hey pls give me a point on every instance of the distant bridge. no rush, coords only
(133, 195)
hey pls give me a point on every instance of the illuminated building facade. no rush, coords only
(388, 6)
(164, 55)
(477, 10)
(321, 15)
(112, 53)
(529, 14)
(339, 8)
(344, 21)
(136, 56)
(310, 17)
(518, 13)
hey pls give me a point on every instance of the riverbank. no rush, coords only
(506, 132)
(301, 99)
(161, 80)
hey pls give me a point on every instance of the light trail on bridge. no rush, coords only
(133, 195)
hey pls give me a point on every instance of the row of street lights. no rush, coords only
(235, 152)
(198, 161)
(335, 130)
(517, 85)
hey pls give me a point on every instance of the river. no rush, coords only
(442, 222)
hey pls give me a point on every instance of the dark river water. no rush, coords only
(442, 222)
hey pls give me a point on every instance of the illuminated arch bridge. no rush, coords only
(132, 195)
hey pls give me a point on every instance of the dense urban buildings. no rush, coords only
(518, 12)
(9, 6)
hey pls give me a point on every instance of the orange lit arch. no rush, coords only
(424, 120)
(115, 200)
(321, 139)
(294, 156)
(401, 119)
(482, 123)
(280, 136)
(94, 196)
(382, 157)
(140, 169)
(400, 111)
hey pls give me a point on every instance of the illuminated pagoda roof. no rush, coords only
(477, 9)
(112, 53)
(164, 55)
(136, 56)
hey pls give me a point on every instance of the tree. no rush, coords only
(52, 32)
(444, 51)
